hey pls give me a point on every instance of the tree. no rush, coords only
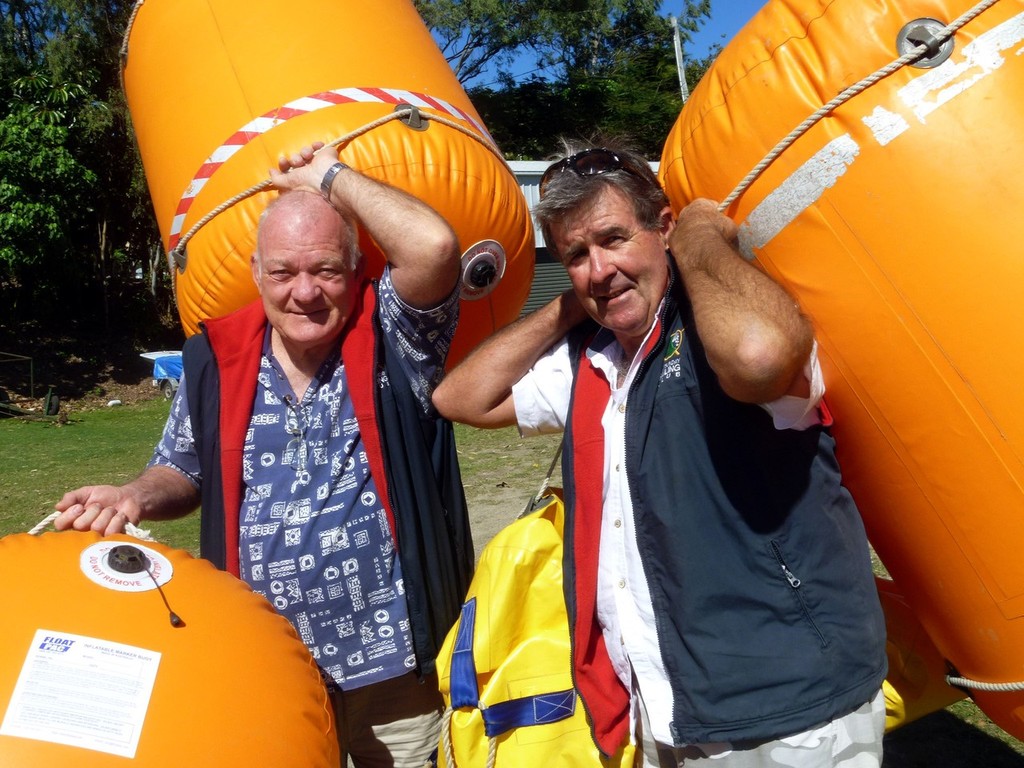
(475, 33)
(560, 35)
(628, 88)
(62, 71)
(40, 182)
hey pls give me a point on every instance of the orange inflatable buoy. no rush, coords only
(118, 649)
(219, 90)
(895, 219)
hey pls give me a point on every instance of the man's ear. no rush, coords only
(667, 223)
(255, 267)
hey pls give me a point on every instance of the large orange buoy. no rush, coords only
(219, 90)
(99, 664)
(896, 221)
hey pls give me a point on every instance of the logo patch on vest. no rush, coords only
(674, 344)
(673, 362)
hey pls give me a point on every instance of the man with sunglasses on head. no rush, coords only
(718, 581)
(304, 429)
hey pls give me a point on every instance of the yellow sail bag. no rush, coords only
(505, 669)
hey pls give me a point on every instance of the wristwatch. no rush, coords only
(328, 180)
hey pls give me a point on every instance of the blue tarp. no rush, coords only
(167, 367)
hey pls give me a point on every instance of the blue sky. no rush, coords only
(727, 18)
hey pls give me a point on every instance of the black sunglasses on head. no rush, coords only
(589, 162)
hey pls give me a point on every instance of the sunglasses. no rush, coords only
(589, 162)
(296, 453)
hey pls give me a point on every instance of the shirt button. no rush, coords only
(618, 523)
(622, 407)
(618, 467)
(622, 583)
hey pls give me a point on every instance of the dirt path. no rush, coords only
(502, 473)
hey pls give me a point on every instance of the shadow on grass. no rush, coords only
(941, 740)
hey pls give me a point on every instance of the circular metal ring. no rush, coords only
(924, 31)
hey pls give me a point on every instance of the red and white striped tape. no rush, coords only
(303, 106)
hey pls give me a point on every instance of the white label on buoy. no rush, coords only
(83, 692)
(95, 563)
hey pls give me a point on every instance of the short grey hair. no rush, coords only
(350, 250)
(568, 192)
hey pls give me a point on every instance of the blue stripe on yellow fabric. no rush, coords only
(530, 710)
(464, 691)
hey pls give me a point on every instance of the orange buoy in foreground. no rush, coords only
(219, 90)
(115, 649)
(896, 221)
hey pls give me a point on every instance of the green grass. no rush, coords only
(40, 460)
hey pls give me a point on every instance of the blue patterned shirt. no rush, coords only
(314, 537)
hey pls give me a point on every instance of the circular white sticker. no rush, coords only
(125, 567)
(483, 266)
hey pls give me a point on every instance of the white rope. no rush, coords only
(446, 738)
(129, 529)
(848, 94)
(123, 53)
(446, 742)
(963, 682)
(43, 524)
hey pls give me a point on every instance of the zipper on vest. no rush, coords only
(795, 585)
(794, 582)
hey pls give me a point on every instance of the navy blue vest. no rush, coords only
(767, 614)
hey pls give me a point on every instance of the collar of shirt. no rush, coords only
(279, 384)
(607, 355)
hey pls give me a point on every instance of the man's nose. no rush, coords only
(305, 287)
(600, 264)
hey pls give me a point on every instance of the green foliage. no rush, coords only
(636, 101)
(562, 36)
(75, 217)
(42, 186)
(473, 33)
(40, 180)
(52, 103)
(610, 68)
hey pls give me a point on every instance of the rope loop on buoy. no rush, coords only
(129, 528)
(908, 58)
(963, 682)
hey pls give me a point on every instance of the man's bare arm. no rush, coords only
(756, 339)
(479, 390)
(159, 493)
